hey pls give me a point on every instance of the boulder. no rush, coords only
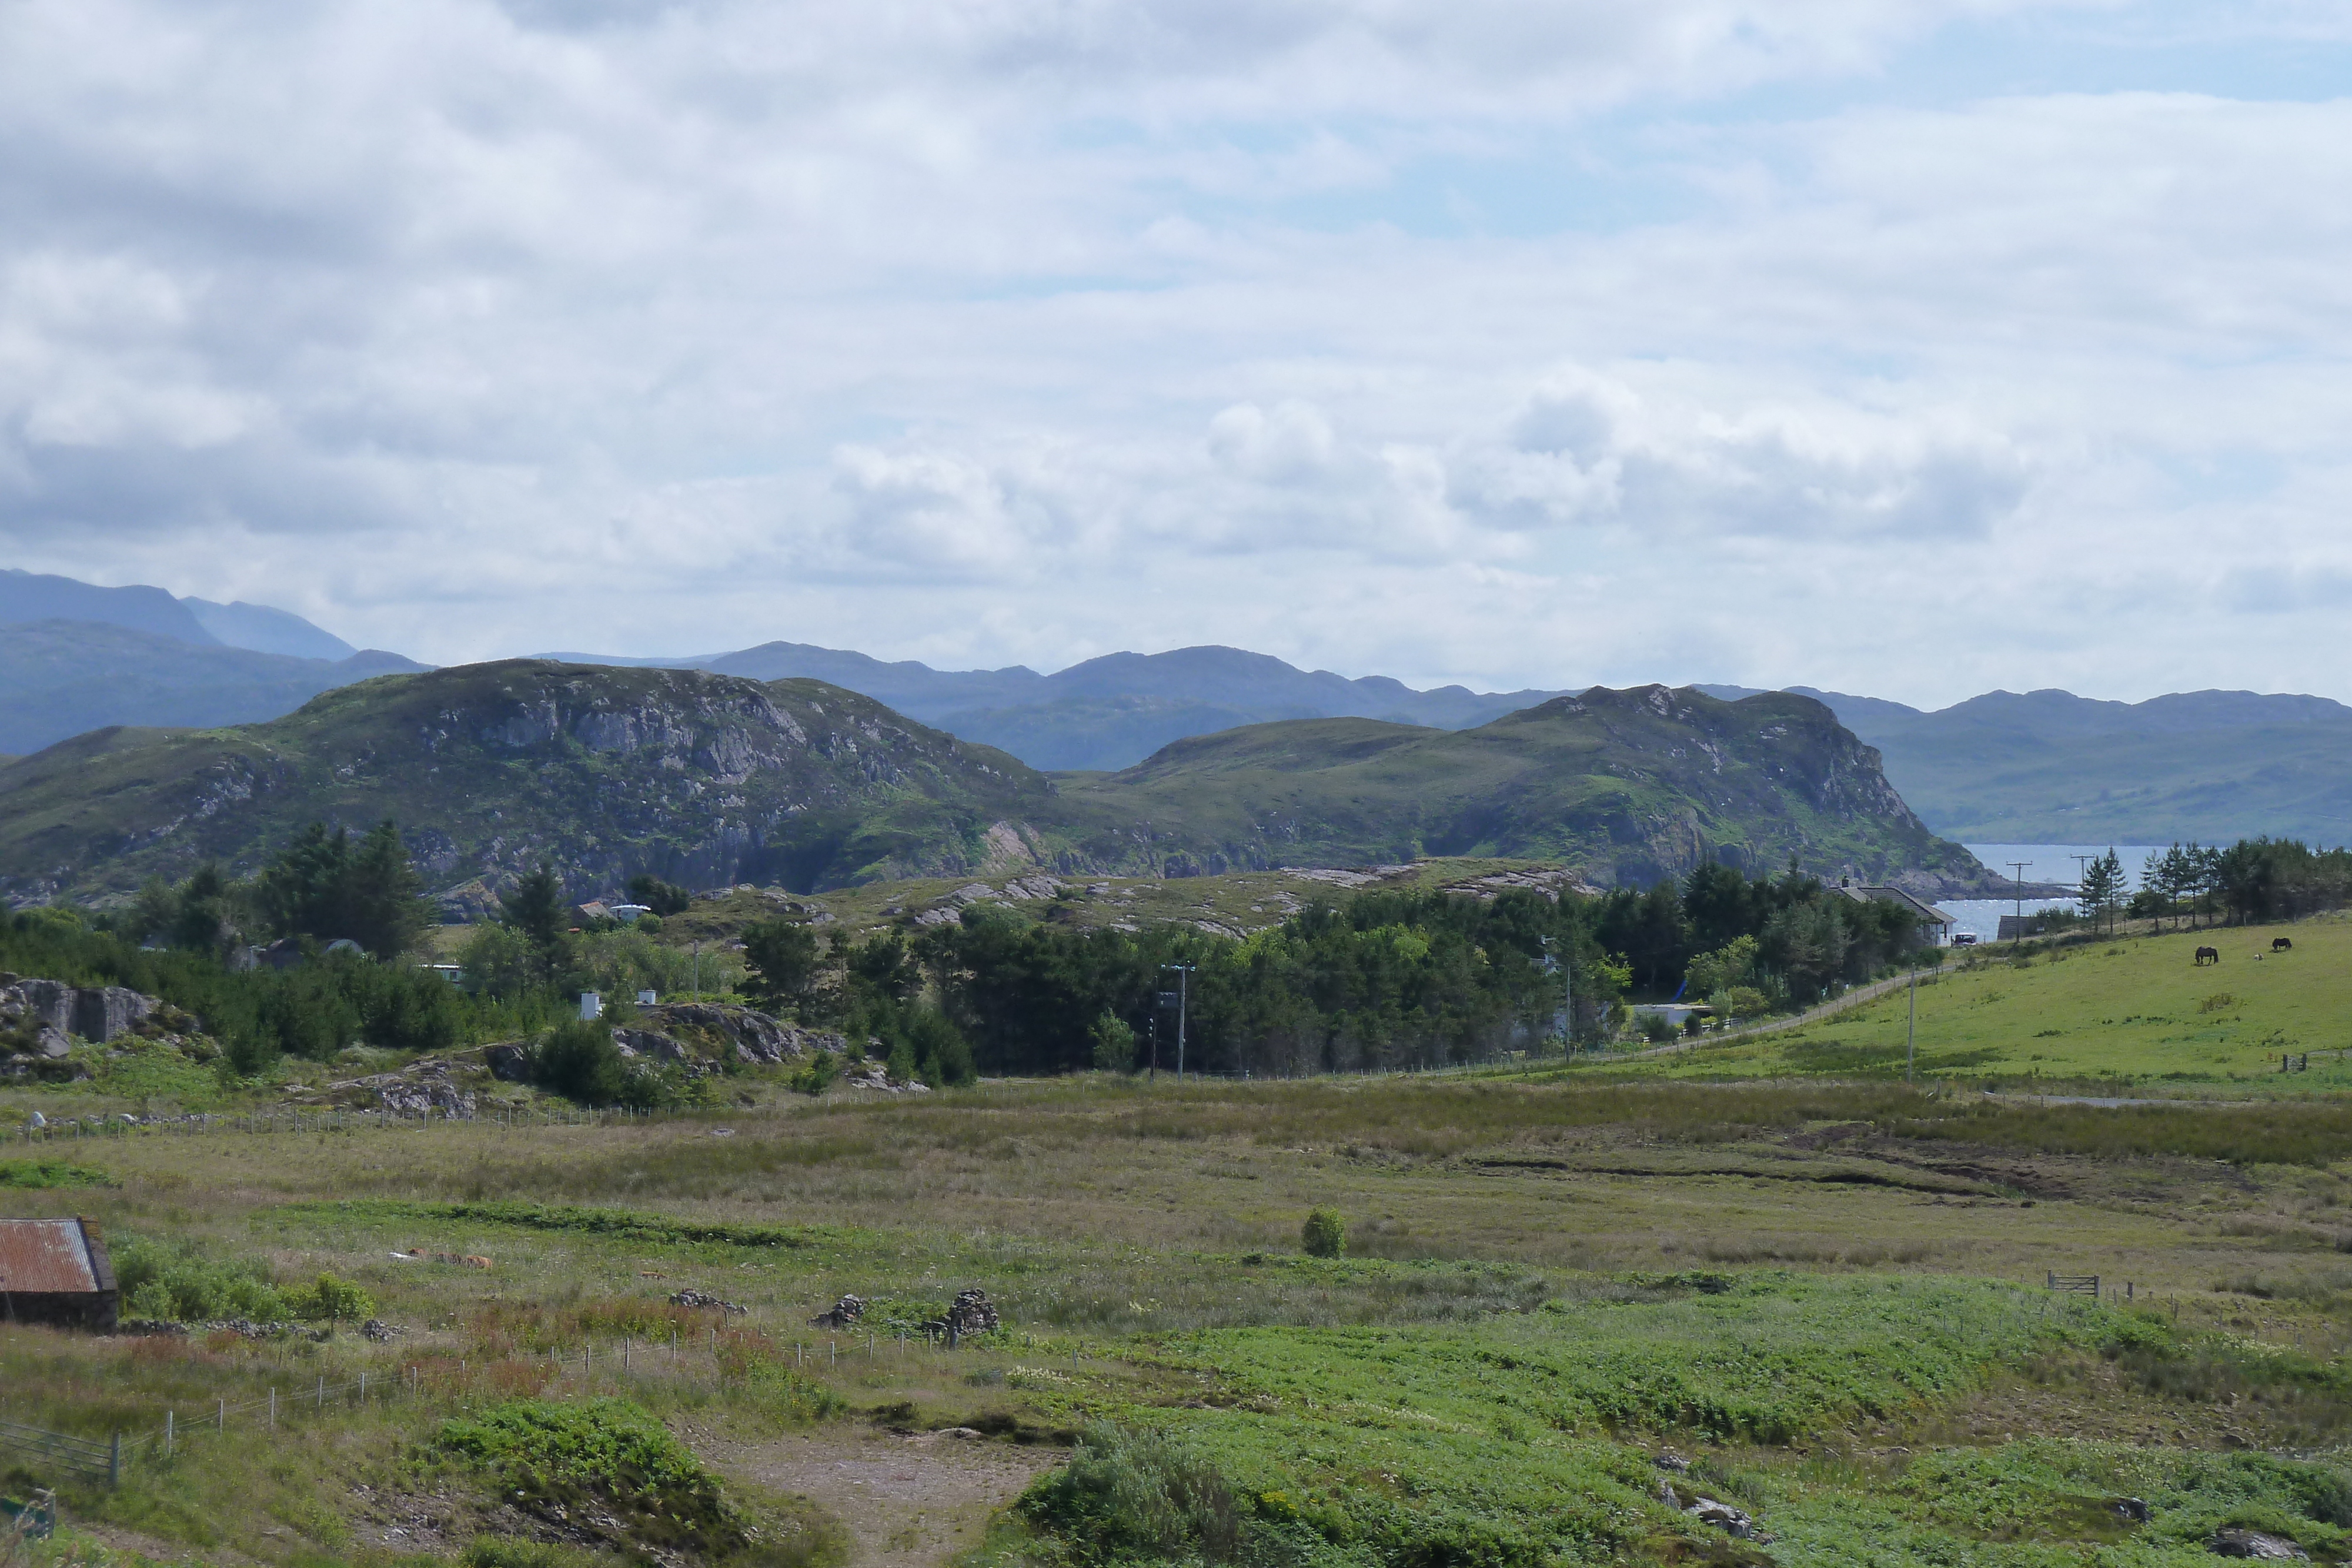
(508, 1064)
(704, 1299)
(1724, 1517)
(647, 1043)
(422, 1085)
(93, 1012)
(2236, 1540)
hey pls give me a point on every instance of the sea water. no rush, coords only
(2044, 862)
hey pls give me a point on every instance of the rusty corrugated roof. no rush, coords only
(49, 1257)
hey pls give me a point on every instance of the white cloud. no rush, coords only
(1029, 330)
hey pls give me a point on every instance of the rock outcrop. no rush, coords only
(752, 1036)
(91, 1012)
(426, 1085)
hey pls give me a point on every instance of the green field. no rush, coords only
(1552, 1283)
(2138, 1009)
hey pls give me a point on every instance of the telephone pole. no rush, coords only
(1911, 1036)
(2018, 867)
(1183, 999)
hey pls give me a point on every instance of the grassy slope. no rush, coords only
(2138, 1009)
(1625, 784)
(1892, 1403)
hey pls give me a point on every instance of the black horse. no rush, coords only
(2204, 954)
(2281, 945)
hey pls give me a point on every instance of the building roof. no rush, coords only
(53, 1257)
(1927, 913)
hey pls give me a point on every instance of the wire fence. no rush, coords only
(76, 1455)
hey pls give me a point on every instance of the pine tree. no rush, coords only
(535, 908)
(384, 913)
(2102, 888)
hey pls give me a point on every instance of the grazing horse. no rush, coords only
(2281, 945)
(2206, 955)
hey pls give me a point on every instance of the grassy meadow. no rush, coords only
(1824, 1297)
(1816, 1291)
(2136, 1008)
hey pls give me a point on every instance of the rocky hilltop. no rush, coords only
(1627, 785)
(711, 779)
(705, 779)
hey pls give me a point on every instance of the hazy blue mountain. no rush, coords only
(62, 678)
(26, 596)
(2048, 766)
(266, 631)
(1109, 712)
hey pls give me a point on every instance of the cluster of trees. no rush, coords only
(1751, 944)
(257, 1015)
(2253, 880)
(1389, 980)
(323, 887)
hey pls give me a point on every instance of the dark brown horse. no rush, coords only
(2281, 945)
(2206, 954)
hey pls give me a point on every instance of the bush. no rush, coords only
(579, 1061)
(1325, 1234)
(178, 1285)
(817, 1076)
(1128, 1495)
(334, 1299)
(1114, 1044)
(599, 1455)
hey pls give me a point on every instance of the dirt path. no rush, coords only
(907, 1503)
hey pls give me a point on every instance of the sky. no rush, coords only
(1911, 347)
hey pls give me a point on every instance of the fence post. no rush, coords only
(224, 1414)
(273, 1409)
(114, 1461)
(168, 1434)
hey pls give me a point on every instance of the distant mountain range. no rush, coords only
(709, 778)
(1111, 711)
(75, 657)
(2048, 766)
(2043, 767)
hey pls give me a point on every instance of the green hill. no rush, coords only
(712, 779)
(1626, 785)
(703, 778)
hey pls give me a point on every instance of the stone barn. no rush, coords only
(56, 1271)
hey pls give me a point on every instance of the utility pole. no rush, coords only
(1911, 1036)
(2018, 867)
(1183, 999)
(1153, 1075)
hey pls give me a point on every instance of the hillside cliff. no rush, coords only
(710, 779)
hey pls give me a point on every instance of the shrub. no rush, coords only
(334, 1299)
(177, 1284)
(1135, 1494)
(579, 1061)
(1325, 1234)
(609, 1453)
(817, 1076)
(1114, 1044)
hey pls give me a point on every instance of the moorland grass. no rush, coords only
(1548, 1277)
